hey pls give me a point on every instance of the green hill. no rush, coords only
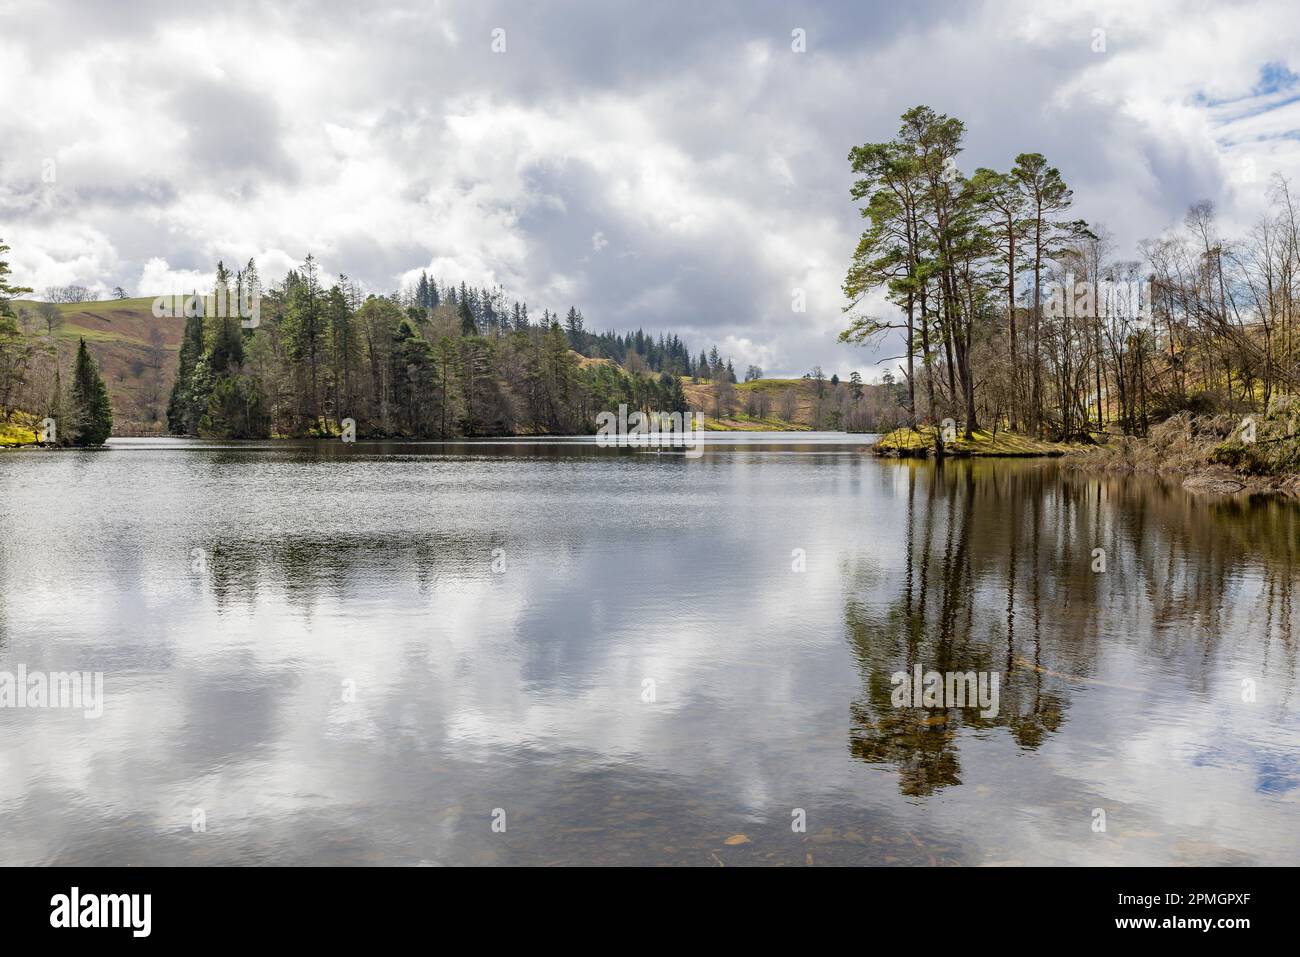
(135, 351)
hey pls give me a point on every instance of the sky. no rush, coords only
(670, 166)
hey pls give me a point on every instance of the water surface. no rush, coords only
(362, 654)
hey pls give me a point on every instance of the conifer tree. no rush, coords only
(468, 327)
(7, 291)
(179, 420)
(91, 411)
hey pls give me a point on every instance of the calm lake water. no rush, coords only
(365, 654)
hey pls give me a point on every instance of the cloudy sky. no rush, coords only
(665, 166)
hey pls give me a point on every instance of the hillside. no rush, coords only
(790, 405)
(135, 351)
(745, 416)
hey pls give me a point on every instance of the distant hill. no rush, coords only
(136, 352)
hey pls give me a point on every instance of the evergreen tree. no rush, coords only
(7, 291)
(304, 332)
(14, 351)
(252, 281)
(343, 351)
(236, 409)
(91, 411)
(573, 326)
(468, 327)
(179, 421)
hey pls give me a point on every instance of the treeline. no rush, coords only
(437, 362)
(1015, 315)
(638, 351)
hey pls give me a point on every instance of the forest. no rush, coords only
(443, 362)
(433, 360)
(999, 304)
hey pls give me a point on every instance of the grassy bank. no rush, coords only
(921, 441)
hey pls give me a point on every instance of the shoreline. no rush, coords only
(1209, 479)
(1122, 455)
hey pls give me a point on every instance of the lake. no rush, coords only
(545, 652)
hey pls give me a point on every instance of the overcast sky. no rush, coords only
(668, 166)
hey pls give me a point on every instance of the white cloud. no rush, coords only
(390, 141)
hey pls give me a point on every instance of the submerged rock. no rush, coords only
(1213, 484)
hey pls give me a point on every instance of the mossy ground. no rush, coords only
(920, 441)
(19, 429)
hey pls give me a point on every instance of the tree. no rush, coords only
(892, 252)
(8, 292)
(343, 348)
(468, 326)
(1004, 204)
(1045, 194)
(304, 331)
(414, 380)
(52, 316)
(252, 281)
(573, 327)
(66, 294)
(236, 410)
(181, 415)
(724, 395)
(90, 410)
(789, 404)
(14, 351)
(15, 355)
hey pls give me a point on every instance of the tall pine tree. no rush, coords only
(180, 420)
(91, 412)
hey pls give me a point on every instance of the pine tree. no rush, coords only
(7, 291)
(573, 326)
(91, 411)
(468, 327)
(14, 352)
(304, 335)
(252, 281)
(343, 348)
(179, 421)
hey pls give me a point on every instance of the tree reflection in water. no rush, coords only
(998, 575)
